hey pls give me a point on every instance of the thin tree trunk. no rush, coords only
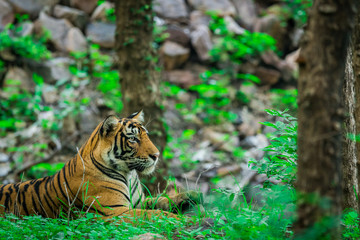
(350, 173)
(140, 79)
(356, 66)
(322, 63)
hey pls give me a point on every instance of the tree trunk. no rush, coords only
(322, 62)
(356, 66)
(140, 79)
(350, 176)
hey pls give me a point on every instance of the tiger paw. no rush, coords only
(186, 200)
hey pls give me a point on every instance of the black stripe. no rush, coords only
(135, 187)
(24, 203)
(118, 190)
(1, 191)
(107, 171)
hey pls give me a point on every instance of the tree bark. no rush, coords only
(140, 79)
(320, 116)
(349, 170)
(356, 67)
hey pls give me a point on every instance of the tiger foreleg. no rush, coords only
(176, 203)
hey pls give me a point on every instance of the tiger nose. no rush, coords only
(154, 156)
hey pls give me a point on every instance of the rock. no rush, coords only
(54, 69)
(50, 94)
(232, 26)
(201, 41)
(272, 25)
(58, 29)
(222, 7)
(246, 12)
(20, 75)
(267, 76)
(250, 125)
(172, 9)
(177, 35)
(102, 34)
(100, 11)
(257, 141)
(288, 68)
(87, 6)
(4, 157)
(75, 41)
(31, 7)
(148, 236)
(198, 18)
(4, 169)
(182, 78)
(174, 55)
(77, 17)
(225, 142)
(6, 14)
(87, 121)
(27, 28)
(227, 170)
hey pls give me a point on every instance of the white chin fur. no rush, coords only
(148, 170)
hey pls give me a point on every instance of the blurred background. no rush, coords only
(204, 71)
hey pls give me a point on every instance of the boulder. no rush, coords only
(171, 9)
(267, 76)
(21, 78)
(182, 78)
(101, 33)
(232, 26)
(173, 55)
(58, 29)
(77, 17)
(178, 35)
(201, 41)
(272, 25)
(54, 69)
(99, 13)
(87, 6)
(288, 67)
(246, 12)
(50, 94)
(6, 14)
(222, 141)
(198, 18)
(31, 7)
(222, 7)
(27, 28)
(75, 41)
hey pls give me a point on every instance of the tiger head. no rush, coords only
(125, 144)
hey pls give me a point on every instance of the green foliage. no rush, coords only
(284, 98)
(180, 146)
(350, 222)
(232, 49)
(28, 46)
(297, 10)
(280, 162)
(20, 106)
(95, 66)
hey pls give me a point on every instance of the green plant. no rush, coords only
(95, 66)
(297, 10)
(29, 46)
(350, 222)
(284, 98)
(280, 163)
(44, 169)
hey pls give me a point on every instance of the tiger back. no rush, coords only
(102, 177)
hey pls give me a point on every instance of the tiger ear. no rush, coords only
(109, 125)
(137, 116)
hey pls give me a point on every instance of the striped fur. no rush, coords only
(102, 178)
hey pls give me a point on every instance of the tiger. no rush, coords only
(102, 178)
